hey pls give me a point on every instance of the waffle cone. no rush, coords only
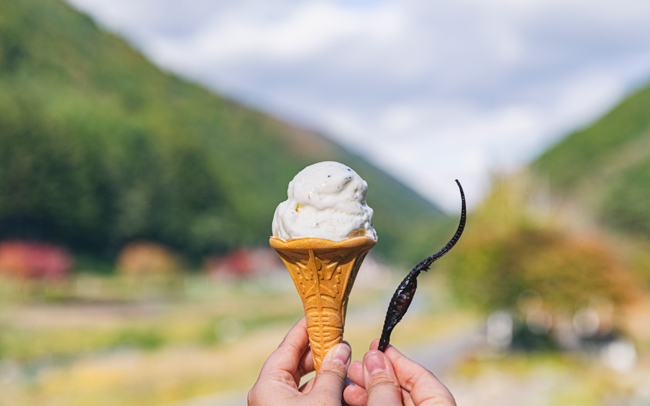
(323, 272)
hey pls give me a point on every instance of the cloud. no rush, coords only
(430, 91)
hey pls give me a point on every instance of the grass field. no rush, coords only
(108, 341)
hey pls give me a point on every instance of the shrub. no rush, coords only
(147, 258)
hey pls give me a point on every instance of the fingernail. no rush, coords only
(340, 354)
(374, 362)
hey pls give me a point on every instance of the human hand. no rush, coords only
(391, 379)
(278, 382)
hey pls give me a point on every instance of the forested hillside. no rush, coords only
(98, 147)
(606, 166)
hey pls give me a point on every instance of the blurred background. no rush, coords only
(144, 146)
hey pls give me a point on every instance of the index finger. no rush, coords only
(422, 384)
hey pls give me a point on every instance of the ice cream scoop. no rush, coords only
(326, 200)
(323, 233)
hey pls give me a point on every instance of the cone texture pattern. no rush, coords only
(323, 272)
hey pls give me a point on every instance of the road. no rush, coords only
(437, 356)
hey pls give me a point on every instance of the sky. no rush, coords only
(429, 91)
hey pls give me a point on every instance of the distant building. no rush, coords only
(34, 260)
(243, 263)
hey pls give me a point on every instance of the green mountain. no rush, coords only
(606, 166)
(98, 147)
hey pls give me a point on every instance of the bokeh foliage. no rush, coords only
(98, 148)
(513, 247)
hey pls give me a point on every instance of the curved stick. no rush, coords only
(405, 292)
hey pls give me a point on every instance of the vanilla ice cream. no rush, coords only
(326, 200)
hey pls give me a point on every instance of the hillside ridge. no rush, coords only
(606, 166)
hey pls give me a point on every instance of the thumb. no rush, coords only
(381, 383)
(330, 379)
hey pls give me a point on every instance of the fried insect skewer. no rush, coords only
(405, 292)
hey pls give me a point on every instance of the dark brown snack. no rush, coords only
(403, 296)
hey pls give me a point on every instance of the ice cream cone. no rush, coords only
(323, 272)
